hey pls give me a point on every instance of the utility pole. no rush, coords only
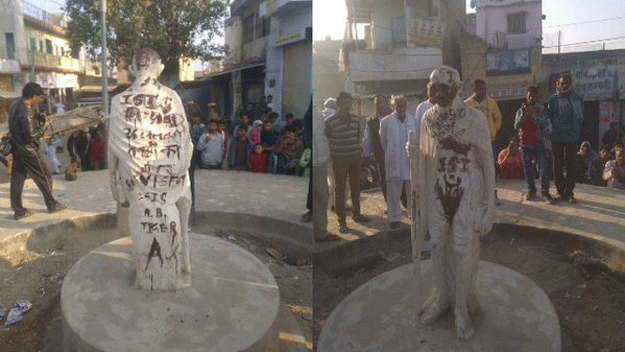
(559, 40)
(105, 89)
(452, 13)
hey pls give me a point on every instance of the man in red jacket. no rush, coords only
(531, 125)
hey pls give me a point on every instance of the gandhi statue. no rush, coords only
(149, 153)
(455, 198)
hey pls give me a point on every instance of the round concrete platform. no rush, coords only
(232, 304)
(517, 316)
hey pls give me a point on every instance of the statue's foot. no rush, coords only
(433, 310)
(464, 328)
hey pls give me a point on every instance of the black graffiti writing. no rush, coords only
(143, 151)
(172, 149)
(167, 120)
(159, 227)
(155, 251)
(156, 169)
(449, 194)
(133, 114)
(453, 164)
(156, 180)
(156, 197)
(158, 212)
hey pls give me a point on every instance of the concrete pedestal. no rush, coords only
(517, 316)
(232, 305)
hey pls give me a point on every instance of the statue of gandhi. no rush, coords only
(149, 153)
(455, 197)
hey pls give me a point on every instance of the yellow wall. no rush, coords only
(41, 35)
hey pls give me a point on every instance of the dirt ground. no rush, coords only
(589, 300)
(34, 270)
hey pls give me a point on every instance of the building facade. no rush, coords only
(505, 52)
(288, 79)
(391, 47)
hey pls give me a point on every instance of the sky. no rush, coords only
(580, 21)
(607, 17)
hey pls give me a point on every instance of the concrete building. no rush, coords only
(288, 78)
(328, 82)
(391, 47)
(241, 76)
(506, 52)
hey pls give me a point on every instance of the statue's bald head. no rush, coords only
(146, 61)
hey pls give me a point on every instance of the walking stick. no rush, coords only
(416, 233)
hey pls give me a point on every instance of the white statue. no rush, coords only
(455, 198)
(149, 153)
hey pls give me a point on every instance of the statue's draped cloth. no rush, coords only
(150, 137)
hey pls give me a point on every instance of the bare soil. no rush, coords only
(34, 269)
(588, 299)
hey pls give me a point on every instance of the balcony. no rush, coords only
(52, 62)
(394, 64)
(9, 66)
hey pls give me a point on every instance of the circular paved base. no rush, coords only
(517, 316)
(232, 304)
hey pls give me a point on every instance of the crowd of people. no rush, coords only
(253, 140)
(546, 145)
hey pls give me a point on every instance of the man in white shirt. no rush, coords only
(394, 130)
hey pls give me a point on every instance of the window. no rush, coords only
(33, 44)
(516, 23)
(248, 28)
(10, 45)
(49, 49)
(398, 28)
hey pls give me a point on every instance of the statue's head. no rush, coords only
(146, 62)
(444, 85)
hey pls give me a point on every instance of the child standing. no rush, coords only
(256, 131)
(258, 161)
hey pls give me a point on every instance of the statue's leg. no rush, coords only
(184, 208)
(466, 259)
(438, 299)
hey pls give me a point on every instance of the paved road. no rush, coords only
(599, 213)
(227, 192)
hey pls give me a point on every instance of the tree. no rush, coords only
(173, 28)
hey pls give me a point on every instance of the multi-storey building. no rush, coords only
(392, 47)
(288, 78)
(506, 52)
(36, 48)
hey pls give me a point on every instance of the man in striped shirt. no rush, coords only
(344, 133)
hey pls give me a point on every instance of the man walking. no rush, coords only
(27, 128)
(394, 130)
(565, 110)
(530, 123)
(344, 133)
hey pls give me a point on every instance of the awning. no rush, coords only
(10, 95)
(240, 68)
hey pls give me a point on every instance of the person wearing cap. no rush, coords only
(27, 128)
(255, 132)
(344, 133)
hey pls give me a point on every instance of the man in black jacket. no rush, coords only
(27, 128)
